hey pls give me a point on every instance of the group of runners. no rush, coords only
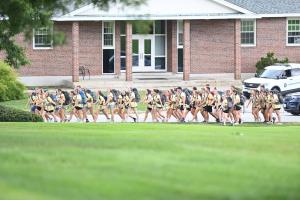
(178, 103)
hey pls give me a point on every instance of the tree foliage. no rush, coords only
(269, 60)
(10, 87)
(22, 16)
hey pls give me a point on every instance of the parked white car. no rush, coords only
(284, 78)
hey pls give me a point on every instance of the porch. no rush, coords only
(166, 48)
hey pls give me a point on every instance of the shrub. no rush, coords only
(10, 87)
(8, 114)
(267, 61)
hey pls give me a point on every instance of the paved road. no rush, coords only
(247, 117)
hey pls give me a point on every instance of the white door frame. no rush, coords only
(142, 67)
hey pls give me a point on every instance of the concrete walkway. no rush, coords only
(246, 116)
(161, 81)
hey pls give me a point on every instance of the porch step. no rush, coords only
(158, 81)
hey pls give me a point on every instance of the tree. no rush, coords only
(269, 60)
(10, 87)
(23, 16)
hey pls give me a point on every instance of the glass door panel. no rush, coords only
(147, 52)
(143, 53)
(135, 53)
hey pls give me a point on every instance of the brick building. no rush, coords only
(188, 37)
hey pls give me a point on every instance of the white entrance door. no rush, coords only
(142, 53)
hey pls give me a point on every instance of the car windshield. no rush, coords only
(271, 73)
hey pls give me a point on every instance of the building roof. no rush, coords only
(161, 10)
(269, 6)
(186, 9)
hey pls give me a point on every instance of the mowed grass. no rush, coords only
(21, 104)
(148, 161)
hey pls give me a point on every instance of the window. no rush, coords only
(180, 33)
(248, 32)
(108, 34)
(287, 73)
(160, 27)
(160, 45)
(42, 38)
(180, 60)
(108, 31)
(142, 27)
(108, 61)
(123, 52)
(293, 37)
(123, 45)
(155, 28)
(296, 72)
(180, 46)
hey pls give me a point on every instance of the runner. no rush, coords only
(101, 106)
(60, 109)
(162, 105)
(254, 100)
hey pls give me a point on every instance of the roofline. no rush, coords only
(136, 17)
(280, 15)
(79, 10)
(221, 2)
(174, 17)
(246, 14)
(233, 6)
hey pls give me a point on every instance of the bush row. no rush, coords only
(8, 114)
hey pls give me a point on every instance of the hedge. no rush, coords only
(8, 114)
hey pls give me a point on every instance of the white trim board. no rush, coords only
(136, 17)
(280, 15)
(167, 9)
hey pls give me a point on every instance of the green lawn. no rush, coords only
(18, 104)
(148, 162)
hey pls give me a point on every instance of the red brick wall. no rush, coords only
(212, 46)
(90, 53)
(58, 61)
(52, 62)
(186, 49)
(172, 46)
(271, 36)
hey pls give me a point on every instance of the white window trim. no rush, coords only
(177, 35)
(122, 35)
(40, 48)
(108, 47)
(178, 46)
(287, 32)
(250, 45)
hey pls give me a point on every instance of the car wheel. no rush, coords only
(276, 89)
